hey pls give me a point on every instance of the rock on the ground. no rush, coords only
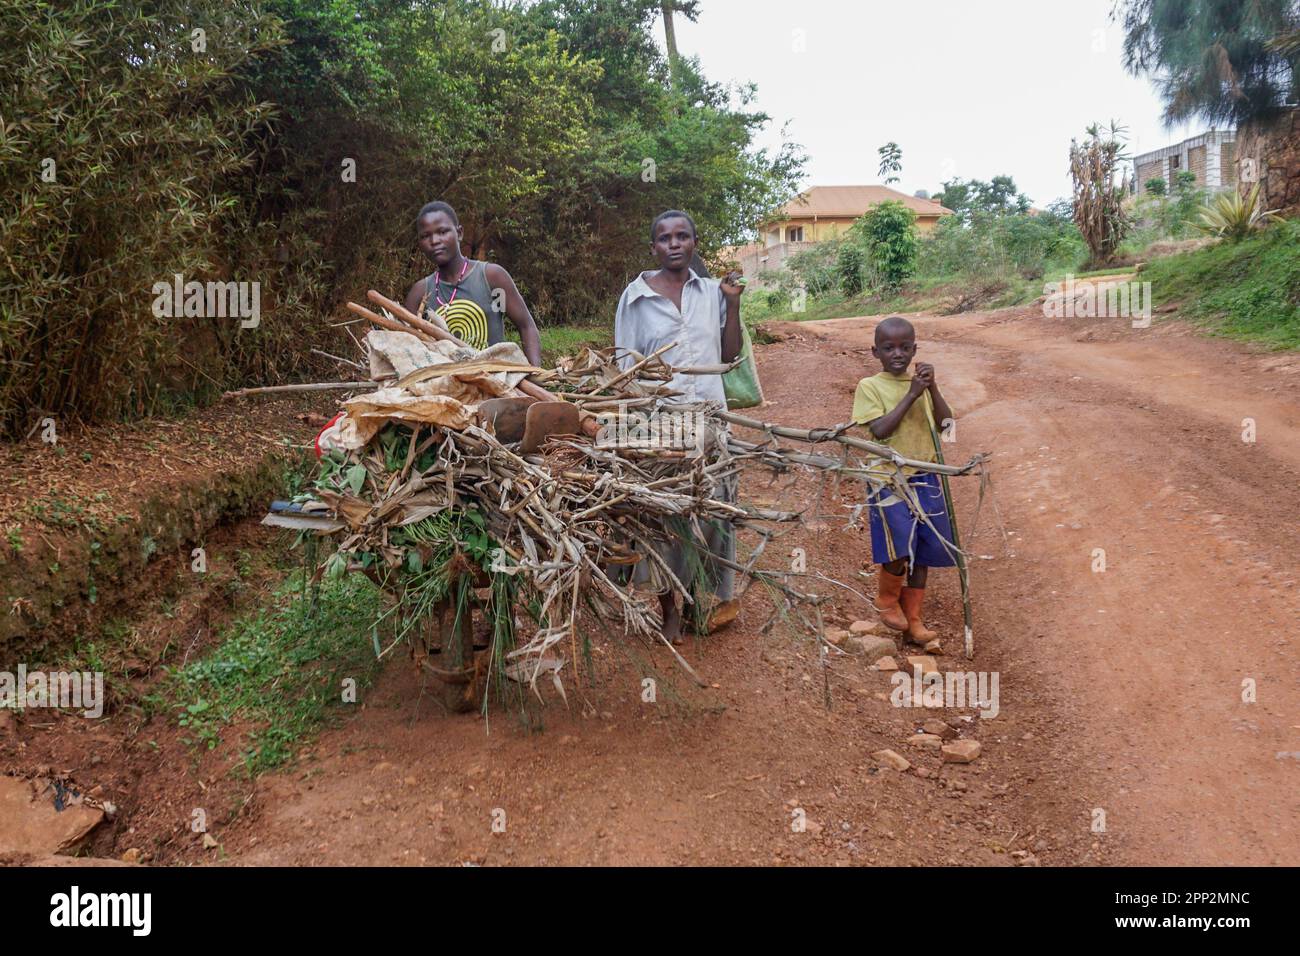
(886, 663)
(925, 665)
(939, 729)
(30, 824)
(961, 751)
(888, 758)
(835, 635)
(870, 647)
(866, 627)
(926, 741)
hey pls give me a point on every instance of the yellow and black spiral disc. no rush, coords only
(466, 321)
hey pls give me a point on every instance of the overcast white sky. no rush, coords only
(969, 88)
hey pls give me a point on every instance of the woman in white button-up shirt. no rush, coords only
(702, 316)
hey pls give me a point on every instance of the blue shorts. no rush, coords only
(896, 533)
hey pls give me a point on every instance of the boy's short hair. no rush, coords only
(891, 323)
(671, 214)
(438, 206)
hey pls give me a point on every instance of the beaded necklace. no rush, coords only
(455, 287)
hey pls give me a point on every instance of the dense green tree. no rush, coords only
(850, 265)
(569, 131)
(971, 198)
(294, 151)
(1226, 61)
(888, 235)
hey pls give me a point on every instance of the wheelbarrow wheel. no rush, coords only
(457, 672)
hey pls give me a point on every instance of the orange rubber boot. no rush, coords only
(910, 599)
(889, 587)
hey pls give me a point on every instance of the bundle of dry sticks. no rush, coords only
(414, 491)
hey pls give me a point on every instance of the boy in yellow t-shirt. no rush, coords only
(899, 410)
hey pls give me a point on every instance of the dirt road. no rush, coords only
(1121, 689)
(1148, 711)
(1131, 441)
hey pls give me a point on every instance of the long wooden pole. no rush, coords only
(313, 387)
(384, 322)
(962, 573)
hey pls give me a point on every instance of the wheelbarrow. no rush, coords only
(443, 645)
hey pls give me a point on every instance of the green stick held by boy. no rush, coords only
(900, 410)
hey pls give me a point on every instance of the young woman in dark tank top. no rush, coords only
(471, 296)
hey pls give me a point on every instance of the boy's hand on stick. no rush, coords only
(922, 378)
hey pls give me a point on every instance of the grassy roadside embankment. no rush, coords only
(1247, 290)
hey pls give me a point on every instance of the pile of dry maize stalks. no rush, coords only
(446, 511)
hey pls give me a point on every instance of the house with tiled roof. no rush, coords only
(821, 213)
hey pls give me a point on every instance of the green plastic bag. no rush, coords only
(741, 384)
